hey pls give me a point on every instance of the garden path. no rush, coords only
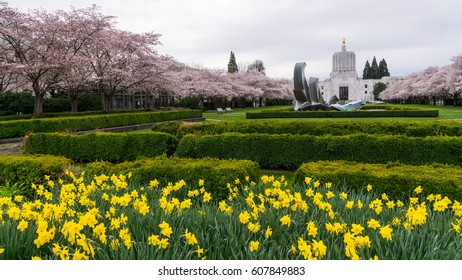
(15, 148)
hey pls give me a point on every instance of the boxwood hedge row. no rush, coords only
(215, 173)
(394, 179)
(31, 169)
(346, 114)
(316, 127)
(290, 151)
(19, 128)
(67, 114)
(113, 147)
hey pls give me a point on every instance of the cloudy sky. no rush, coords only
(410, 34)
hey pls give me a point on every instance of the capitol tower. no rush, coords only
(344, 82)
(343, 63)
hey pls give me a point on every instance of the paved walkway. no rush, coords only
(15, 148)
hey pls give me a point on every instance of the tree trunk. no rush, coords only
(107, 103)
(150, 102)
(456, 99)
(74, 103)
(38, 107)
(160, 100)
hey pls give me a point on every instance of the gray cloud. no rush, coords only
(410, 35)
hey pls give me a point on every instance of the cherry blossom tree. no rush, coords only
(71, 49)
(450, 82)
(457, 76)
(119, 60)
(400, 90)
(162, 82)
(46, 44)
(32, 38)
(82, 28)
(9, 81)
(241, 86)
(81, 49)
(272, 89)
(206, 85)
(76, 81)
(432, 82)
(222, 88)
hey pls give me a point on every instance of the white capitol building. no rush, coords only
(344, 81)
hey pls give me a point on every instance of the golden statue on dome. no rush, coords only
(343, 41)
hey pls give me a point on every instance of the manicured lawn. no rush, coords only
(446, 113)
(237, 114)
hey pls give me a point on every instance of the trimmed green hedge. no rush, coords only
(170, 127)
(316, 127)
(113, 147)
(69, 114)
(394, 179)
(290, 151)
(215, 173)
(346, 114)
(31, 169)
(19, 128)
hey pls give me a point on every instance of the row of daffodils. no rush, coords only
(117, 218)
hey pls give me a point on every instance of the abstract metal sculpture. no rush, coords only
(308, 95)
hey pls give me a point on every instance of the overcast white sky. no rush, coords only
(410, 34)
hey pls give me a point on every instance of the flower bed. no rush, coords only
(113, 218)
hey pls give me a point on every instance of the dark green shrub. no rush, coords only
(189, 102)
(395, 179)
(31, 169)
(323, 127)
(290, 151)
(60, 104)
(346, 114)
(215, 173)
(170, 127)
(90, 102)
(113, 147)
(22, 102)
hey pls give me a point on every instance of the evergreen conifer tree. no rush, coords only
(367, 70)
(232, 65)
(383, 69)
(374, 72)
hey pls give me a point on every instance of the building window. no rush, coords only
(322, 87)
(365, 91)
(365, 86)
(343, 93)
